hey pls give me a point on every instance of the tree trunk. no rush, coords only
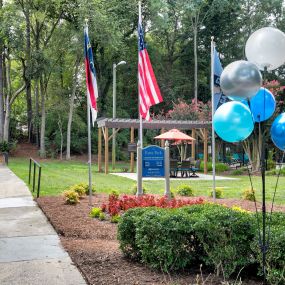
(1, 87)
(61, 135)
(70, 115)
(43, 121)
(195, 63)
(37, 117)
(28, 75)
(7, 120)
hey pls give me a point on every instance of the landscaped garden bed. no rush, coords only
(93, 246)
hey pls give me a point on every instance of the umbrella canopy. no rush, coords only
(175, 135)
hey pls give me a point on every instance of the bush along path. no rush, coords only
(221, 238)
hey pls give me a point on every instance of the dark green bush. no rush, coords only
(127, 232)
(225, 236)
(275, 256)
(173, 239)
(166, 239)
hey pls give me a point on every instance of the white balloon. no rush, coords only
(266, 48)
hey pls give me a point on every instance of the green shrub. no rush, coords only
(95, 212)
(184, 190)
(115, 219)
(127, 232)
(237, 172)
(225, 236)
(219, 193)
(71, 197)
(248, 194)
(134, 189)
(173, 239)
(102, 216)
(115, 193)
(276, 172)
(166, 239)
(86, 187)
(78, 189)
(220, 167)
(275, 256)
(8, 146)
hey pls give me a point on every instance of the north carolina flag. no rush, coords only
(149, 93)
(91, 82)
(219, 97)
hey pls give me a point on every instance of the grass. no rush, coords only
(59, 175)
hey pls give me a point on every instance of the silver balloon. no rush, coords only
(240, 80)
(266, 48)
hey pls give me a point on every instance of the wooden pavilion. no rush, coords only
(199, 129)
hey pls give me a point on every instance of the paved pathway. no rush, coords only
(30, 250)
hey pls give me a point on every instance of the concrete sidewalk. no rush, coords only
(30, 250)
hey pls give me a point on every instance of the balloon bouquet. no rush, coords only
(241, 81)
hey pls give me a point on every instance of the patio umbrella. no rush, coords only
(179, 139)
(174, 135)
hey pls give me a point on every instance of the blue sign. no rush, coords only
(153, 162)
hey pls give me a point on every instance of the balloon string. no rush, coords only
(255, 205)
(273, 199)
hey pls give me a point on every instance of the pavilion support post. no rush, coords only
(99, 150)
(106, 151)
(193, 144)
(132, 166)
(205, 150)
(162, 143)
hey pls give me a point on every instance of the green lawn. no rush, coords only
(57, 176)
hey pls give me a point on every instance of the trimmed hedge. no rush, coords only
(223, 239)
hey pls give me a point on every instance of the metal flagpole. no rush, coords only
(141, 122)
(213, 110)
(140, 142)
(89, 137)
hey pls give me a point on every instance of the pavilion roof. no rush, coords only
(154, 124)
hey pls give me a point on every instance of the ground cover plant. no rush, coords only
(117, 204)
(57, 176)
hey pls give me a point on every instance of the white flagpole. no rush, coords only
(140, 142)
(213, 110)
(89, 137)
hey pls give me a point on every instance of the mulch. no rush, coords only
(93, 247)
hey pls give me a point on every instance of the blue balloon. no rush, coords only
(262, 105)
(278, 131)
(233, 122)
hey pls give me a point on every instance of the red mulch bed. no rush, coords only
(93, 246)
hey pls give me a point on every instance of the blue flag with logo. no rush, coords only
(219, 97)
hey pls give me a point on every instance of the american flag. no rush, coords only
(91, 82)
(149, 93)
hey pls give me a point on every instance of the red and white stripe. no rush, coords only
(92, 90)
(149, 93)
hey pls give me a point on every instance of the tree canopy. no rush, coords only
(42, 62)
